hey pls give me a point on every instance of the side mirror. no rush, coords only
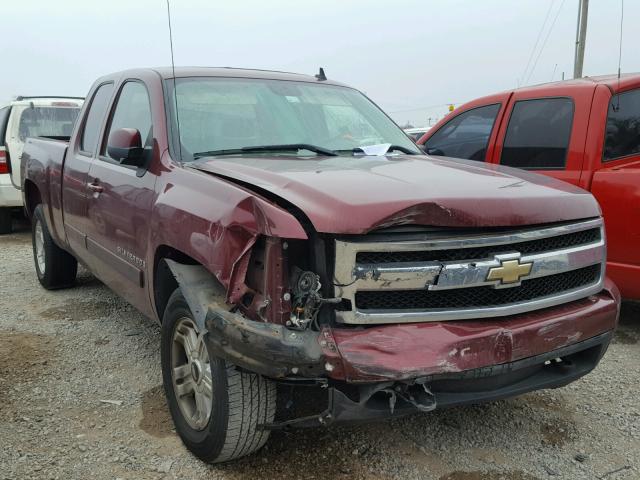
(125, 146)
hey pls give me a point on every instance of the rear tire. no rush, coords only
(55, 267)
(238, 402)
(5, 221)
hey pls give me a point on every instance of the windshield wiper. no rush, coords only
(402, 149)
(290, 147)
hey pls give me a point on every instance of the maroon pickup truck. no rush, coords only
(285, 231)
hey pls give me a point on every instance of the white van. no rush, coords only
(28, 117)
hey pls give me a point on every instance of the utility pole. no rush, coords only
(581, 36)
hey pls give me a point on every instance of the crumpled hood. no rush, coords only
(353, 195)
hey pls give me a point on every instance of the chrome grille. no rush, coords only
(532, 246)
(478, 297)
(446, 277)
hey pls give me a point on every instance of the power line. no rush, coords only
(545, 41)
(535, 45)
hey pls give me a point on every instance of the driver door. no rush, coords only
(120, 206)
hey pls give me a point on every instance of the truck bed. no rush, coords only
(45, 159)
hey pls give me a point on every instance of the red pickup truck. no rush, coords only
(285, 231)
(585, 132)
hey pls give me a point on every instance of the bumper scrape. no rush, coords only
(265, 348)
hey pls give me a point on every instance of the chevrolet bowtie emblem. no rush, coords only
(509, 271)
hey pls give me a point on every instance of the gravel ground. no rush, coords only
(81, 397)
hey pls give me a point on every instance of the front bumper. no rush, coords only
(550, 370)
(403, 352)
(464, 361)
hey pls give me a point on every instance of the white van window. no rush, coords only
(47, 122)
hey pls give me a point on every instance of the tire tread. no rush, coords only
(252, 400)
(242, 402)
(61, 267)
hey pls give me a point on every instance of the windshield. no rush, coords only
(223, 114)
(47, 122)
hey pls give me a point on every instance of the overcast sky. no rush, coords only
(407, 55)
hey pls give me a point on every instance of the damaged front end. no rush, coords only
(313, 359)
(293, 316)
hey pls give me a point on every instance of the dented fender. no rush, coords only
(261, 347)
(199, 288)
(217, 224)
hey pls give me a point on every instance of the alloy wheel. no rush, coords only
(191, 374)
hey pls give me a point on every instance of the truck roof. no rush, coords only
(626, 81)
(181, 72)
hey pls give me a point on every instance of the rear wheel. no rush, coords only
(216, 408)
(5, 220)
(55, 267)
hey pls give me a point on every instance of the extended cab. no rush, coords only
(585, 132)
(285, 231)
(28, 117)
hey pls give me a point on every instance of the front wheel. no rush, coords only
(55, 267)
(216, 408)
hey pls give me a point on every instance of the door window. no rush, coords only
(623, 126)
(466, 135)
(133, 110)
(538, 134)
(97, 112)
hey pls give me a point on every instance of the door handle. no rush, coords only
(94, 186)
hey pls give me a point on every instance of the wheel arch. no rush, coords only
(164, 282)
(32, 197)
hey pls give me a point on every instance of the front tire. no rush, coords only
(55, 267)
(216, 408)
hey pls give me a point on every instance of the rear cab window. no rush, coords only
(466, 135)
(95, 118)
(622, 135)
(538, 134)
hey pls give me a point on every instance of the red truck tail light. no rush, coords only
(4, 160)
